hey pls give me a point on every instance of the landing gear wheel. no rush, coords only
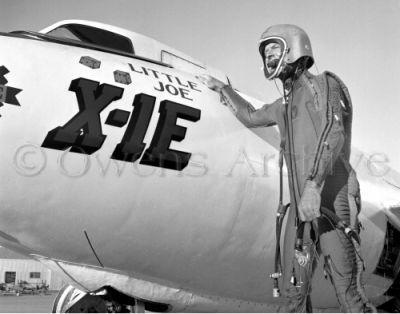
(105, 300)
(72, 300)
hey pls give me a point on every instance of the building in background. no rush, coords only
(15, 267)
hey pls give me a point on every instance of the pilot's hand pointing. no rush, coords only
(310, 202)
(211, 82)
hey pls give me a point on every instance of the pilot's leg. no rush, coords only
(341, 267)
(299, 288)
(342, 264)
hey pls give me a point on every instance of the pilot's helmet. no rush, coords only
(294, 44)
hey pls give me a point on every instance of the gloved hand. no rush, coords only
(310, 202)
(211, 82)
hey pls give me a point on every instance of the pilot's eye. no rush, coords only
(276, 54)
(272, 50)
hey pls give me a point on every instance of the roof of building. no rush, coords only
(8, 254)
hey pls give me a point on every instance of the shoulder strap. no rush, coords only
(347, 117)
(327, 113)
(343, 88)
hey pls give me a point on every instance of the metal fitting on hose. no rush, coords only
(276, 292)
(275, 275)
(293, 280)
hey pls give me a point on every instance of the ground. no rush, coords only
(27, 303)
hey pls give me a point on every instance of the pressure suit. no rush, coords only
(315, 127)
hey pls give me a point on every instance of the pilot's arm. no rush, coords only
(243, 110)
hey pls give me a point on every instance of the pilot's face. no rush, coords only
(272, 53)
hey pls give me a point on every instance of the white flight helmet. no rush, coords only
(294, 44)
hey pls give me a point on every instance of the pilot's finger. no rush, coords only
(302, 214)
(210, 82)
(317, 213)
(306, 213)
(314, 213)
(200, 78)
(204, 78)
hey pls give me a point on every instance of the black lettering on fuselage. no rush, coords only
(132, 146)
(83, 132)
(159, 154)
(183, 92)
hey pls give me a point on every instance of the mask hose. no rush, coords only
(280, 215)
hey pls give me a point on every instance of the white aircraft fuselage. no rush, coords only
(176, 196)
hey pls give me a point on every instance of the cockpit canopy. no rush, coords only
(93, 35)
(121, 41)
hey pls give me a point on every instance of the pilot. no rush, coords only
(314, 119)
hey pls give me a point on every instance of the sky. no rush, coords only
(358, 40)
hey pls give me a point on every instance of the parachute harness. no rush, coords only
(305, 253)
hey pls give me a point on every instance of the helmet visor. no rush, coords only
(273, 51)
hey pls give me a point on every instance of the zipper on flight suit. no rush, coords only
(289, 138)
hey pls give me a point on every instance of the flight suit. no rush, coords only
(315, 128)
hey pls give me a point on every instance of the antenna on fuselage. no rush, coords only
(91, 246)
